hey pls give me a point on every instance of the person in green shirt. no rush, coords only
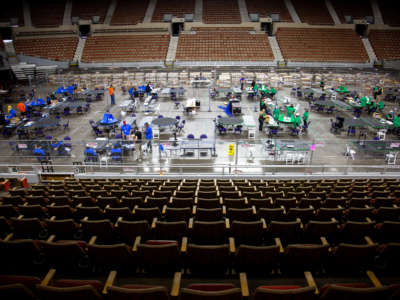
(381, 105)
(272, 91)
(396, 121)
(262, 104)
(290, 110)
(305, 116)
(372, 107)
(276, 113)
(363, 101)
(298, 121)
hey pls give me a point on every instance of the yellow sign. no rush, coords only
(231, 149)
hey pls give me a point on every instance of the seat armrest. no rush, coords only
(311, 282)
(324, 241)
(153, 224)
(137, 242)
(51, 238)
(176, 285)
(190, 223)
(184, 244)
(110, 281)
(244, 285)
(369, 240)
(227, 224)
(194, 209)
(232, 248)
(264, 223)
(279, 243)
(92, 240)
(49, 277)
(375, 281)
(8, 237)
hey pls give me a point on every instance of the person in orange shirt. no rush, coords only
(111, 93)
(22, 108)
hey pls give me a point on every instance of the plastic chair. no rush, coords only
(66, 142)
(66, 125)
(203, 136)
(48, 137)
(190, 136)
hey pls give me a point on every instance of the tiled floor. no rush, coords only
(249, 157)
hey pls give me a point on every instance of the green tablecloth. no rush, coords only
(285, 120)
(265, 89)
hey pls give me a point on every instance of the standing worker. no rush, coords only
(261, 118)
(22, 108)
(148, 135)
(138, 144)
(111, 93)
(125, 129)
(305, 117)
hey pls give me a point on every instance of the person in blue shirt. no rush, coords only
(11, 113)
(90, 154)
(125, 129)
(55, 144)
(148, 136)
(108, 118)
(40, 102)
(39, 153)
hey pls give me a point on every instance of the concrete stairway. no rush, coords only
(198, 11)
(171, 54)
(79, 49)
(332, 12)
(244, 14)
(149, 12)
(67, 13)
(377, 12)
(110, 12)
(276, 50)
(27, 13)
(369, 49)
(292, 11)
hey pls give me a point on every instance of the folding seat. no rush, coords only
(112, 257)
(247, 189)
(293, 292)
(168, 188)
(5, 227)
(128, 231)
(326, 214)
(346, 291)
(177, 202)
(354, 232)
(20, 255)
(208, 214)
(268, 189)
(304, 214)
(248, 233)
(8, 211)
(236, 203)
(177, 214)
(66, 255)
(131, 202)
(64, 289)
(32, 211)
(58, 192)
(147, 214)
(18, 192)
(385, 201)
(97, 193)
(307, 202)
(114, 213)
(348, 258)
(65, 229)
(359, 202)
(388, 232)
(208, 233)
(110, 187)
(288, 232)
(272, 214)
(187, 188)
(102, 229)
(242, 214)
(13, 200)
(120, 193)
(316, 194)
(260, 203)
(360, 193)
(28, 228)
(297, 194)
(142, 193)
(18, 287)
(286, 202)
(229, 194)
(201, 194)
(359, 213)
(210, 260)
(93, 213)
(156, 202)
(387, 214)
(60, 200)
(37, 200)
(208, 203)
(339, 194)
(136, 291)
(77, 192)
(335, 202)
(111, 201)
(185, 193)
(38, 192)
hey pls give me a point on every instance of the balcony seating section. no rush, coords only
(358, 9)
(175, 7)
(386, 43)
(87, 9)
(313, 12)
(129, 12)
(47, 13)
(88, 227)
(321, 45)
(125, 48)
(12, 10)
(221, 12)
(266, 8)
(390, 15)
(225, 45)
(57, 48)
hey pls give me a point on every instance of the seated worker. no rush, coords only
(276, 113)
(305, 116)
(363, 101)
(381, 105)
(56, 144)
(290, 110)
(261, 119)
(108, 118)
(11, 113)
(125, 129)
(396, 121)
(39, 152)
(372, 107)
(90, 154)
(40, 102)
